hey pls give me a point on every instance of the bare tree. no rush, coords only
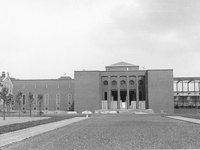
(40, 100)
(31, 99)
(4, 93)
(8, 102)
(18, 100)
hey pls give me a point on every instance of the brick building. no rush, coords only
(124, 86)
(58, 94)
(120, 86)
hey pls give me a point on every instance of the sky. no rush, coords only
(45, 39)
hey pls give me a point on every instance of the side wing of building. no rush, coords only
(58, 94)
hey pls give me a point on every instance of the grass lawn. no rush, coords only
(117, 132)
(19, 126)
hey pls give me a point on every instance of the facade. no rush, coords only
(187, 92)
(121, 86)
(124, 86)
(58, 94)
(5, 81)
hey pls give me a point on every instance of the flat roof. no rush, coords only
(186, 78)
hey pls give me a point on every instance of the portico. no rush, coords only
(123, 87)
(123, 92)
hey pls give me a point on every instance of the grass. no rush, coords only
(120, 132)
(19, 126)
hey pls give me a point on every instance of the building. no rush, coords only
(5, 81)
(121, 86)
(187, 92)
(58, 94)
(124, 86)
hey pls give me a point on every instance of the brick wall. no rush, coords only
(87, 90)
(160, 90)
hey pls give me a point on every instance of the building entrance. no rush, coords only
(123, 95)
(114, 98)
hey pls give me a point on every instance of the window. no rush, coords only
(123, 82)
(140, 82)
(35, 99)
(131, 82)
(13, 102)
(114, 82)
(69, 97)
(57, 99)
(105, 96)
(57, 108)
(105, 82)
(23, 100)
(46, 99)
(35, 108)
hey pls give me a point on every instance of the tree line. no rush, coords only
(8, 98)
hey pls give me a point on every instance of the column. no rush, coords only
(118, 92)
(137, 93)
(194, 86)
(109, 92)
(127, 97)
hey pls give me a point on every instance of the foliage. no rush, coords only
(40, 100)
(4, 93)
(18, 100)
(9, 101)
(31, 99)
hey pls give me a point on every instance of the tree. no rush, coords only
(40, 100)
(31, 99)
(18, 100)
(8, 102)
(4, 93)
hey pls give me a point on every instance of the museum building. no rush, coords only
(123, 86)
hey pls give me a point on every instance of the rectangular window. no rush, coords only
(35, 99)
(23, 100)
(57, 99)
(69, 97)
(105, 95)
(46, 100)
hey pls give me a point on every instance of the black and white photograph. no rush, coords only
(99, 74)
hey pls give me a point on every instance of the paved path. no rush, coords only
(20, 135)
(185, 119)
(13, 120)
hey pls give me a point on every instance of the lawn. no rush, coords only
(19, 126)
(120, 132)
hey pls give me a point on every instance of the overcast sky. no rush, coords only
(50, 38)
